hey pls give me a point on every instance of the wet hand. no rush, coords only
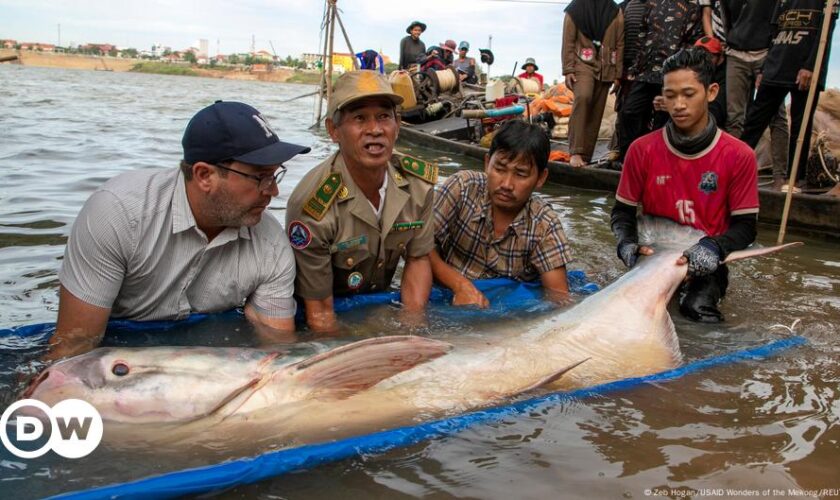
(803, 79)
(466, 294)
(703, 258)
(629, 251)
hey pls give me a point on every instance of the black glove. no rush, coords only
(703, 257)
(628, 252)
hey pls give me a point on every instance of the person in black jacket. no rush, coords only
(788, 69)
(411, 47)
(748, 41)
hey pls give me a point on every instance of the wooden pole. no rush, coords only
(330, 57)
(322, 80)
(806, 118)
(347, 39)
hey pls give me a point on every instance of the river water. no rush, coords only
(762, 427)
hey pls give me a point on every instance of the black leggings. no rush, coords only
(637, 112)
(765, 106)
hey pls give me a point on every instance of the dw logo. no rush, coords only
(75, 428)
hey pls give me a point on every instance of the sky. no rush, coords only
(519, 28)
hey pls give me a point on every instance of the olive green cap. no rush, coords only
(355, 85)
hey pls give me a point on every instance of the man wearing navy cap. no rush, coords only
(163, 244)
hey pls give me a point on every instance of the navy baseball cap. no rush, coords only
(235, 131)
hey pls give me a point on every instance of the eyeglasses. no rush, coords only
(264, 182)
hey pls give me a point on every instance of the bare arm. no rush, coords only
(320, 315)
(465, 292)
(556, 285)
(271, 330)
(79, 329)
(416, 283)
(707, 22)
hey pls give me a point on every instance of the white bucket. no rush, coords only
(495, 90)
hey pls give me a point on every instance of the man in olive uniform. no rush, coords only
(352, 217)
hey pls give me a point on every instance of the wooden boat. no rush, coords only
(808, 213)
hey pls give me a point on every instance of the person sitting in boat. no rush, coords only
(433, 59)
(492, 225)
(448, 53)
(465, 66)
(163, 244)
(531, 69)
(695, 174)
(411, 47)
(353, 217)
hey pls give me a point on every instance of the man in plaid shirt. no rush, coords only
(491, 225)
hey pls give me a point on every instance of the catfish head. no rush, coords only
(157, 384)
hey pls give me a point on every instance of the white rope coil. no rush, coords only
(447, 80)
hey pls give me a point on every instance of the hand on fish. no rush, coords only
(629, 251)
(703, 258)
(466, 294)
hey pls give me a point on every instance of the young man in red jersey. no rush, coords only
(696, 175)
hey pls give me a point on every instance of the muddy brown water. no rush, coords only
(760, 428)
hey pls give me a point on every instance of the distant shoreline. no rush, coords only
(122, 65)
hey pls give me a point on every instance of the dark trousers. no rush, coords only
(637, 113)
(766, 105)
(699, 297)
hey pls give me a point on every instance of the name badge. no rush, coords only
(405, 226)
(351, 243)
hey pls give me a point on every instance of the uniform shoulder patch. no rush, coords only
(318, 204)
(425, 170)
(299, 235)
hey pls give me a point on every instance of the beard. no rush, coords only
(223, 210)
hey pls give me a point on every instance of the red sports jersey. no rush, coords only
(701, 190)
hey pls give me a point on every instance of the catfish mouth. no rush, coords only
(34, 383)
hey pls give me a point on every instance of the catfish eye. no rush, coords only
(120, 369)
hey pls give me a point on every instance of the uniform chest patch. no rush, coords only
(708, 182)
(355, 280)
(587, 54)
(299, 235)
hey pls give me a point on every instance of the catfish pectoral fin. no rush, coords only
(233, 400)
(551, 378)
(349, 369)
(757, 252)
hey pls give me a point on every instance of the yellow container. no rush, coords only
(401, 85)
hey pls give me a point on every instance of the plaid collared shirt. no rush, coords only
(532, 245)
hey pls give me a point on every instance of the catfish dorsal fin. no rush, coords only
(346, 370)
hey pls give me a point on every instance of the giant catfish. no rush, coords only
(251, 399)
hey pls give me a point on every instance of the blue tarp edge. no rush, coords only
(273, 464)
(514, 292)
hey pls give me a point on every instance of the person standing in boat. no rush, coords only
(411, 47)
(163, 244)
(492, 225)
(530, 72)
(788, 69)
(593, 51)
(695, 174)
(352, 218)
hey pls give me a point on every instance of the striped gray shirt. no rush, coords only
(135, 248)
